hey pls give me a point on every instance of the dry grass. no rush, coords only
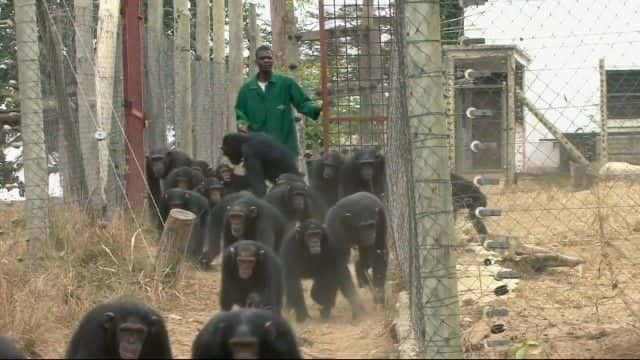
(575, 312)
(40, 302)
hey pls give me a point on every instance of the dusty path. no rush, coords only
(337, 338)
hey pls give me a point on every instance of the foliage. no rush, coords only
(8, 61)
(452, 17)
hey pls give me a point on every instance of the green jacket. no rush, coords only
(270, 111)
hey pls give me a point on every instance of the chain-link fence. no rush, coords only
(541, 97)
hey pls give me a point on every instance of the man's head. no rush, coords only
(264, 59)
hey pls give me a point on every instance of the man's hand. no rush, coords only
(243, 128)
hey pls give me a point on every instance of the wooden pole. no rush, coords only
(202, 120)
(182, 63)
(219, 94)
(254, 37)
(433, 203)
(133, 78)
(173, 246)
(236, 75)
(604, 115)
(510, 143)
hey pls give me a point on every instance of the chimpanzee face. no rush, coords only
(312, 232)
(367, 160)
(246, 257)
(330, 161)
(130, 333)
(225, 171)
(158, 165)
(183, 183)
(297, 194)
(215, 195)
(176, 199)
(245, 341)
(240, 216)
(365, 226)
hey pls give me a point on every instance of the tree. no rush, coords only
(182, 63)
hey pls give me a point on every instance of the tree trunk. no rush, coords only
(86, 93)
(34, 154)
(117, 167)
(278, 34)
(108, 20)
(203, 124)
(173, 246)
(157, 122)
(254, 38)
(236, 75)
(220, 96)
(73, 167)
(182, 63)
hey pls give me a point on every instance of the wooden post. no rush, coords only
(604, 116)
(236, 75)
(34, 153)
(173, 246)
(156, 43)
(432, 197)
(182, 64)
(254, 37)
(572, 151)
(510, 143)
(219, 94)
(278, 33)
(203, 131)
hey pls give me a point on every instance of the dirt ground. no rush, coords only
(339, 337)
(590, 311)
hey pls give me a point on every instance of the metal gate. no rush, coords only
(355, 52)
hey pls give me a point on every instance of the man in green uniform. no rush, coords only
(264, 103)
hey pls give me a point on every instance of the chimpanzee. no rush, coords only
(162, 161)
(197, 204)
(213, 189)
(295, 200)
(253, 218)
(232, 182)
(246, 334)
(466, 195)
(324, 176)
(360, 220)
(308, 253)
(8, 349)
(363, 171)
(184, 177)
(251, 275)
(159, 164)
(204, 167)
(264, 158)
(121, 330)
(215, 227)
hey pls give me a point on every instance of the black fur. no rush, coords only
(234, 183)
(265, 284)
(325, 181)
(280, 196)
(466, 195)
(197, 204)
(267, 227)
(344, 222)
(95, 336)
(264, 158)
(328, 269)
(275, 338)
(351, 180)
(215, 226)
(193, 177)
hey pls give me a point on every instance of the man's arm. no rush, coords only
(303, 103)
(242, 120)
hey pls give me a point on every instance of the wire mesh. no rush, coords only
(540, 96)
(355, 43)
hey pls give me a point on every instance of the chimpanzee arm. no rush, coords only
(255, 172)
(295, 296)
(226, 288)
